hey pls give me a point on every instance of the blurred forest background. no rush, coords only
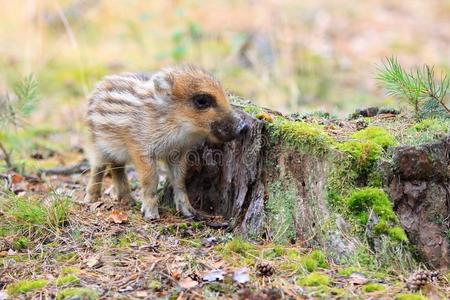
(287, 55)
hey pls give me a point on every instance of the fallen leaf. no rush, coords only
(241, 275)
(357, 279)
(210, 241)
(214, 275)
(265, 117)
(188, 283)
(176, 275)
(16, 178)
(141, 294)
(128, 288)
(3, 295)
(118, 217)
(94, 262)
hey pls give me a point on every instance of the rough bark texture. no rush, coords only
(236, 180)
(420, 188)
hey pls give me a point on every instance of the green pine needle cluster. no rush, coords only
(419, 87)
(14, 108)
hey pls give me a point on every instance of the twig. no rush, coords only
(79, 168)
(7, 156)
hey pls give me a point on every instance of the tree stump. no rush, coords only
(268, 189)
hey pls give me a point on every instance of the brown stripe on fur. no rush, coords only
(119, 102)
(105, 112)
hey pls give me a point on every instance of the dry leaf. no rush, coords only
(141, 294)
(176, 275)
(214, 275)
(16, 178)
(210, 241)
(93, 262)
(188, 283)
(265, 117)
(3, 295)
(241, 275)
(358, 279)
(118, 217)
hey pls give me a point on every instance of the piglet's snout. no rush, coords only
(241, 128)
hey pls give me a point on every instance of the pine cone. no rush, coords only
(264, 269)
(420, 278)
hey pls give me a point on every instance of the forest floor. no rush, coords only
(52, 245)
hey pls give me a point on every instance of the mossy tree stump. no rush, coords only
(290, 181)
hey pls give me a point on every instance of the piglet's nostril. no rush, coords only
(242, 128)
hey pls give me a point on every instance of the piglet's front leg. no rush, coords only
(177, 171)
(148, 177)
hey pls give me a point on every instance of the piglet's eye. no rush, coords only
(203, 101)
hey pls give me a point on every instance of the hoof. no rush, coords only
(150, 213)
(90, 199)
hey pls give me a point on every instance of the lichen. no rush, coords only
(279, 209)
(25, 286)
(314, 279)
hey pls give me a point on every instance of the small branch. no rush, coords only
(79, 168)
(7, 156)
(445, 107)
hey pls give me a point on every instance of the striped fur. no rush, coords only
(143, 118)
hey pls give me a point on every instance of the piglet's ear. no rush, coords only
(162, 86)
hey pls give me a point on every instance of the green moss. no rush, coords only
(66, 257)
(196, 225)
(425, 131)
(398, 234)
(346, 272)
(280, 210)
(301, 136)
(67, 280)
(252, 110)
(366, 199)
(372, 287)
(363, 155)
(126, 239)
(154, 285)
(25, 286)
(20, 243)
(77, 293)
(410, 297)
(376, 135)
(314, 279)
(236, 246)
(309, 263)
(276, 251)
(69, 270)
(320, 258)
